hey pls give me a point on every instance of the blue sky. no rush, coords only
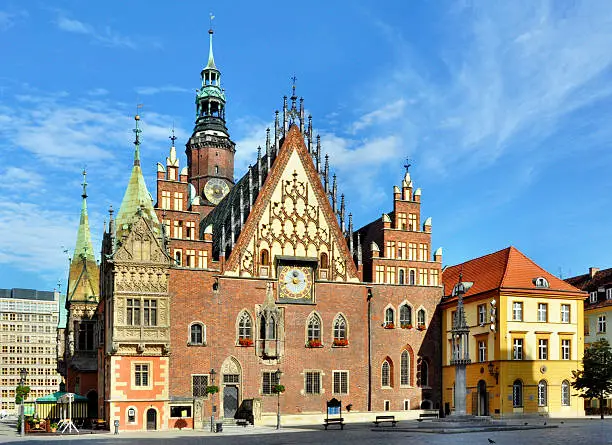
(502, 107)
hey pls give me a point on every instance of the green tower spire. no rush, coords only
(137, 200)
(84, 247)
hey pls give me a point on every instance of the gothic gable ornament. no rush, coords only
(141, 245)
(292, 217)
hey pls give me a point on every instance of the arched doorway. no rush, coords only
(151, 419)
(483, 399)
(231, 375)
(92, 404)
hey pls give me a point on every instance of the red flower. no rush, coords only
(245, 342)
(313, 343)
(406, 326)
(340, 342)
(389, 326)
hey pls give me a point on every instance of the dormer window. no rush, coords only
(541, 282)
(593, 297)
(609, 294)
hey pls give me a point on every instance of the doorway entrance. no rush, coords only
(92, 404)
(483, 399)
(151, 419)
(230, 401)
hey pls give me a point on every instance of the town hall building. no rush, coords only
(219, 289)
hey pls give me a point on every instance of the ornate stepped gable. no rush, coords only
(290, 216)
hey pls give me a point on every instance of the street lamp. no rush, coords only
(278, 374)
(212, 401)
(22, 374)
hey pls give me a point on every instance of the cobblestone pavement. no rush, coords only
(578, 432)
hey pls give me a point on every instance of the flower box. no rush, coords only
(421, 327)
(406, 326)
(314, 344)
(389, 326)
(340, 342)
(245, 342)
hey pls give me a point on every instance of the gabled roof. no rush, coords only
(503, 270)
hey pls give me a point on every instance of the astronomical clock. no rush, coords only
(215, 190)
(296, 281)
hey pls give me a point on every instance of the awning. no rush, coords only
(56, 396)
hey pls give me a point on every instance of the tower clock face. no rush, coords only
(215, 190)
(295, 282)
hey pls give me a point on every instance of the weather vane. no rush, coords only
(293, 80)
(173, 137)
(407, 164)
(211, 19)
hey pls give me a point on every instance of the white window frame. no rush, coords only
(609, 294)
(543, 312)
(593, 297)
(601, 324)
(482, 314)
(517, 311)
(482, 351)
(566, 349)
(566, 313)
(317, 373)
(518, 345)
(542, 393)
(542, 349)
(335, 388)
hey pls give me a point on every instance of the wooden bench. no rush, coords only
(429, 415)
(242, 422)
(334, 421)
(382, 419)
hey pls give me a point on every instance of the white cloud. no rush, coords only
(16, 178)
(389, 112)
(106, 35)
(146, 91)
(98, 92)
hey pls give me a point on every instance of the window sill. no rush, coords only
(313, 347)
(245, 346)
(196, 344)
(340, 346)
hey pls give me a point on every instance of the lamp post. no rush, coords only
(22, 374)
(212, 399)
(278, 374)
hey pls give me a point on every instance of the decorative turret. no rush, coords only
(137, 199)
(210, 152)
(83, 275)
(210, 98)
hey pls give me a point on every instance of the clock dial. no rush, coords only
(215, 190)
(295, 282)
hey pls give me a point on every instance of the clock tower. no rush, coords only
(210, 151)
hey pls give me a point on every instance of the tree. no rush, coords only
(594, 380)
(21, 393)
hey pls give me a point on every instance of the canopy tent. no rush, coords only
(56, 396)
(54, 405)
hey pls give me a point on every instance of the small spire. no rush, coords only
(137, 132)
(211, 57)
(407, 165)
(84, 184)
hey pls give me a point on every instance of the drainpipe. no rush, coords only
(369, 299)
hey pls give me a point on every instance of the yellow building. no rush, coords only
(526, 337)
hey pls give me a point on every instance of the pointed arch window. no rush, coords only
(385, 377)
(421, 318)
(389, 318)
(424, 373)
(314, 329)
(542, 393)
(405, 316)
(405, 369)
(517, 394)
(340, 331)
(245, 327)
(267, 328)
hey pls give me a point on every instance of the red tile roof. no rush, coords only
(505, 269)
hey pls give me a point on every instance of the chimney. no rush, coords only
(593, 271)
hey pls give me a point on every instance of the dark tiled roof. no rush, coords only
(601, 280)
